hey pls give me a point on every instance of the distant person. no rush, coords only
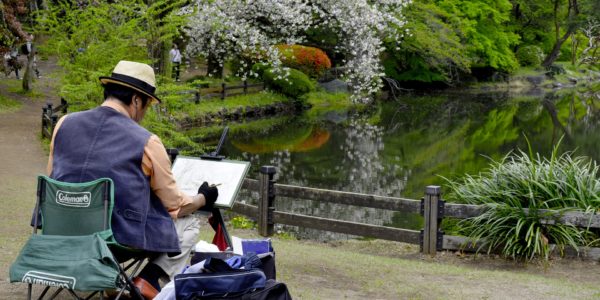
(6, 64)
(175, 55)
(35, 65)
(13, 62)
(29, 45)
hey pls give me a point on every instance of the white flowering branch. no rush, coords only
(227, 29)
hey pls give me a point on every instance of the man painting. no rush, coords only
(150, 212)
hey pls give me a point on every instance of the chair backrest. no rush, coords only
(74, 208)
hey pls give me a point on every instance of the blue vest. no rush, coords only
(104, 143)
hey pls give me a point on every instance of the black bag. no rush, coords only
(218, 285)
(273, 291)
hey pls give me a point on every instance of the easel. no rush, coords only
(216, 212)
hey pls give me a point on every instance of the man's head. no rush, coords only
(133, 84)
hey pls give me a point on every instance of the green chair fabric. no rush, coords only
(73, 250)
(82, 263)
(76, 208)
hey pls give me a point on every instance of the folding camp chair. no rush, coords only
(73, 251)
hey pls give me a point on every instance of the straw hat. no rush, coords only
(137, 76)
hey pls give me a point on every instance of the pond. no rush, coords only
(403, 145)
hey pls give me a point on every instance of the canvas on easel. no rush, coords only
(190, 172)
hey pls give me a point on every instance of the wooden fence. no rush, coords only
(431, 207)
(50, 116)
(224, 91)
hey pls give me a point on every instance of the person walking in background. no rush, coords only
(30, 49)
(13, 61)
(35, 65)
(175, 55)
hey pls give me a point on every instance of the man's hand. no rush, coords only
(210, 193)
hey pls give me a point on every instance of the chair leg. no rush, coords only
(44, 293)
(93, 294)
(74, 295)
(137, 268)
(133, 290)
(55, 293)
(29, 291)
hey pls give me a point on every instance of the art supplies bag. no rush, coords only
(227, 284)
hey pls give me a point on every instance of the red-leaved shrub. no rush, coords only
(310, 60)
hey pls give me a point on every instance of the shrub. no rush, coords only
(311, 61)
(530, 55)
(515, 189)
(295, 84)
(260, 68)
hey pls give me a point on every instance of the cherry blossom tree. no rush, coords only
(233, 29)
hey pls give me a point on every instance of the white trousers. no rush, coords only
(188, 230)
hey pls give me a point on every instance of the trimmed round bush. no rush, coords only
(295, 84)
(260, 68)
(530, 56)
(310, 60)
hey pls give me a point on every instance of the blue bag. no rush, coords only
(218, 285)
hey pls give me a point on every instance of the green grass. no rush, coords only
(15, 86)
(323, 102)
(376, 269)
(528, 71)
(263, 98)
(9, 105)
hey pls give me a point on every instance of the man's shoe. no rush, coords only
(145, 288)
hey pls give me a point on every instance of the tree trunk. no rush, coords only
(553, 55)
(572, 13)
(28, 76)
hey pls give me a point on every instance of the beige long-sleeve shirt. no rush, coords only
(155, 164)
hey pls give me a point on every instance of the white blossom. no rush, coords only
(229, 29)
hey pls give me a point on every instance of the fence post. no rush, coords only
(54, 119)
(44, 111)
(64, 104)
(266, 204)
(245, 87)
(432, 211)
(223, 91)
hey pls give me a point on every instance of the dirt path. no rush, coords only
(22, 159)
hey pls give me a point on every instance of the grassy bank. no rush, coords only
(564, 75)
(8, 105)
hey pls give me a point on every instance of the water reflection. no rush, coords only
(405, 145)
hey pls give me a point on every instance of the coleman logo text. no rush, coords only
(49, 279)
(82, 199)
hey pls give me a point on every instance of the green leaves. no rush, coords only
(516, 189)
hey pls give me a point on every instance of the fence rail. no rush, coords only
(431, 207)
(50, 116)
(224, 91)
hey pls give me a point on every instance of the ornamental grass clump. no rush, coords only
(517, 191)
